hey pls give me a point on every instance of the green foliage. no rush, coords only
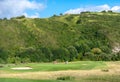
(66, 38)
(96, 50)
(61, 14)
(110, 11)
(103, 11)
(73, 53)
(20, 17)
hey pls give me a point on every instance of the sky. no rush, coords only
(47, 8)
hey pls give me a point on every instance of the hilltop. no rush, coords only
(70, 37)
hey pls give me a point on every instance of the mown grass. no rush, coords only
(80, 65)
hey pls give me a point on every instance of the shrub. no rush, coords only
(1, 66)
(20, 17)
(105, 70)
(66, 78)
(96, 50)
(103, 11)
(78, 21)
(110, 11)
(2, 61)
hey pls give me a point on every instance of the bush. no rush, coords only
(105, 70)
(20, 17)
(2, 61)
(1, 66)
(78, 21)
(66, 78)
(96, 50)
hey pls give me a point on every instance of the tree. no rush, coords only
(110, 11)
(72, 52)
(96, 50)
(3, 55)
(78, 21)
(97, 53)
(82, 47)
(118, 55)
(61, 14)
(20, 17)
(54, 15)
(103, 11)
(5, 18)
(61, 54)
(48, 53)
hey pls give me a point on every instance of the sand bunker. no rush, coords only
(21, 68)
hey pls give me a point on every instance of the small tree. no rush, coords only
(54, 15)
(103, 11)
(110, 11)
(20, 17)
(5, 18)
(61, 14)
(96, 50)
(78, 21)
(73, 52)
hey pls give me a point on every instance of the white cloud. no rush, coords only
(116, 8)
(36, 15)
(93, 9)
(102, 7)
(11, 8)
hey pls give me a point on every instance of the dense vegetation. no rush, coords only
(85, 36)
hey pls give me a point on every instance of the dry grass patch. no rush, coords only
(53, 75)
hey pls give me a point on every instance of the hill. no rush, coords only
(85, 36)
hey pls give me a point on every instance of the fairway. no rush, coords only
(83, 71)
(59, 40)
(80, 65)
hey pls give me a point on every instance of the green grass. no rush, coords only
(109, 78)
(25, 80)
(80, 65)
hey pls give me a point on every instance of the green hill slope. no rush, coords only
(85, 36)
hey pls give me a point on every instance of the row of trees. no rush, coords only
(44, 54)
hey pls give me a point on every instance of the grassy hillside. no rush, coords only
(85, 36)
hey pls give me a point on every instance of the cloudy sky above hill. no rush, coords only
(46, 8)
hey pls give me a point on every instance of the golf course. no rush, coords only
(79, 71)
(59, 40)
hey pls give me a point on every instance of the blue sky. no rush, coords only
(46, 8)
